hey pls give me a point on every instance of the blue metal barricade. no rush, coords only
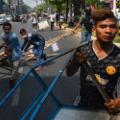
(34, 107)
(39, 100)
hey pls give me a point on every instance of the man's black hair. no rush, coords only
(7, 24)
(102, 14)
(23, 30)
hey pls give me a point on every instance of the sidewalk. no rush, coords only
(69, 29)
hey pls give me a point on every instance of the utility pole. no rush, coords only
(67, 9)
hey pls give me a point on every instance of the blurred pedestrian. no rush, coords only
(61, 21)
(86, 25)
(35, 23)
(52, 21)
(12, 51)
(57, 18)
(37, 41)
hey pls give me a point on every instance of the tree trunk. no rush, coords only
(77, 5)
(67, 9)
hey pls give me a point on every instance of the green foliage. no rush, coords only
(118, 4)
(117, 39)
(97, 3)
(91, 1)
(40, 8)
(59, 5)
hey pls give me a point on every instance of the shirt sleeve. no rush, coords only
(72, 67)
(13, 42)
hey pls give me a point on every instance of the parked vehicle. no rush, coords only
(2, 18)
(8, 18)
(16, 18)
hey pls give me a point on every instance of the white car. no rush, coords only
(2, 20)
(8, 18)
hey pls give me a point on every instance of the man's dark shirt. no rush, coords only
(90, 96)
(36, 40)
(87, 21)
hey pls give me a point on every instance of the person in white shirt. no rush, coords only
(61, 21)
(34, 23)
(52, 20)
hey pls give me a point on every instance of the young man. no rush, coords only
(86, 25)
(52, 20)
(36, 40)
(34, 22)
(12, 48)
(104, 58)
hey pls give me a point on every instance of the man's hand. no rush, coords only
(3, 45)
(79, 56)
(8, 52)
(113, 105)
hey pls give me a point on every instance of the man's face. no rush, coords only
(23, 34)
(7, 29)
(106, 30)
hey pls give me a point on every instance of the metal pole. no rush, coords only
(66, 19)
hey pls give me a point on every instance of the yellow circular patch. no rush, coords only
(111, 70)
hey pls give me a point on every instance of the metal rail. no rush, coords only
(40, 99)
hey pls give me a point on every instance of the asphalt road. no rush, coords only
(65, 90)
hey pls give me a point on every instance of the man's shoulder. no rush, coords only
(117, 50)
(13, 35)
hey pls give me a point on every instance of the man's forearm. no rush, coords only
(1, 46)
(72, 67)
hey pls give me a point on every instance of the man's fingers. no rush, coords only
(111, 105)
(79, 56)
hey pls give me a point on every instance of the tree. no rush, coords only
(118, 4)
(59, 5)
(97, 3)
(40, 8)
(78, 4)
(91, 1)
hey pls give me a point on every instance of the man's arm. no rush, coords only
(13, 41)
(113, 105)
(82, 21)
(72, 67)
(25, 45)
(1, 46)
